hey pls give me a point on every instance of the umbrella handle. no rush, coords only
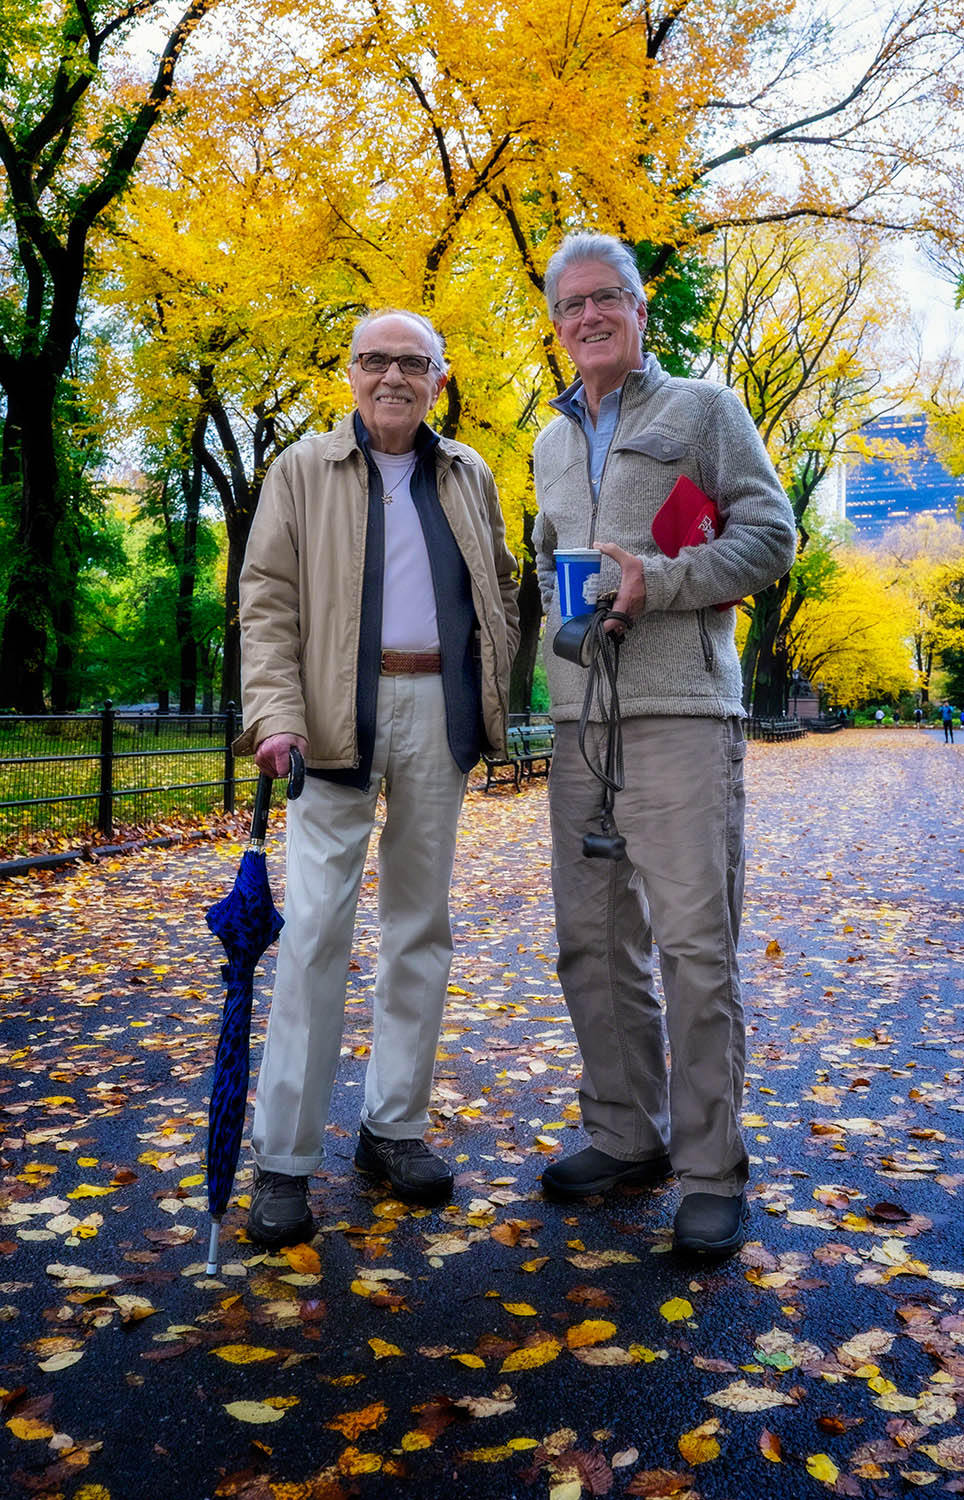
(296, 773)
(262, 797)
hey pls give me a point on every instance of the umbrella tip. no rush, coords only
(212, 1266)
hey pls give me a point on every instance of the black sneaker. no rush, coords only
(706, 1224)
(413, 1171)
(279, 1212)
(592, 1171)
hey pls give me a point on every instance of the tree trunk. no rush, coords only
(191, 485)
(237, 525)
(765, 679)
(27, 623)
(63, 688)
(530, 618)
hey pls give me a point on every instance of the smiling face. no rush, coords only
(603, 344)
(392, 404)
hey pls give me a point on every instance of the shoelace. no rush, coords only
(390, 1149)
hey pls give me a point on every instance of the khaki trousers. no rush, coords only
(328, 833)
(681, 814)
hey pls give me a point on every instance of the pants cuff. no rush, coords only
(290, 1166)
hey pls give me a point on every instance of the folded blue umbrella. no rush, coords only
(247, 922)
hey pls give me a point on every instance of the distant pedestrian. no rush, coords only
(947, 719)
(895, 717)
(918, 716)
(879, 717)
(962, 718)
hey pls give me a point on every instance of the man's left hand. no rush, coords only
(631, 597)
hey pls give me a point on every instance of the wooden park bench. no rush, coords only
(528, 753)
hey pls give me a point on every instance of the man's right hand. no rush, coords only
(273, 754)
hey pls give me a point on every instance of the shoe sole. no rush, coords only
(599, 1185)
(426, 1197)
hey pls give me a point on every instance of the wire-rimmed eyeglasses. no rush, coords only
(604, 297)
(379, 362)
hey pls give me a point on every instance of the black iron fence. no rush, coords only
(71, 774)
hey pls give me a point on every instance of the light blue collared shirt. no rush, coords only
(599, 435)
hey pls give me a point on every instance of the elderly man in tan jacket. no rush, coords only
(379, 621)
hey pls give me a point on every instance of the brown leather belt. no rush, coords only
(407, 662)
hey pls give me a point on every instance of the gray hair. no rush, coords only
(435, 338)
(579, 248)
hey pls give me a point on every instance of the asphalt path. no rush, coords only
(502, 1346)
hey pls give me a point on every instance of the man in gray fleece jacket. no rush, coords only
(626, 432)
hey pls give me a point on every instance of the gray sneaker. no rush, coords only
(279, 1212)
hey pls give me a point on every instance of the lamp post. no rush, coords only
(795, 674)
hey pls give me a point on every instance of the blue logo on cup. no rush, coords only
(577, 573)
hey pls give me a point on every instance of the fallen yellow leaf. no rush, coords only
(700, 1446)
(383, 1350)
(61, 1361)
(677, 1310)
(352, 1423)
(256, 1412)
(592, 1331)
(821, 1466)
(304, 1258)
(520, 1309)
(471, 1360)
(243, 1354)
(133, 1309)
(531, 1356)
(771, 1447)
(28, 1430)
(353, 1462)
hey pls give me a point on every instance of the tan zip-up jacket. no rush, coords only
(301, 592)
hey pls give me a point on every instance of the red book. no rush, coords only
(686, 518)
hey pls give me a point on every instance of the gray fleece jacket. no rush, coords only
(680, 656)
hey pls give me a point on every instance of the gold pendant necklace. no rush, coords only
(388, 495)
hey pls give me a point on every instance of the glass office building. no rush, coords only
(878, 494)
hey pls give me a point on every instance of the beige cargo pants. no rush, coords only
(681, 814)
(328, 832)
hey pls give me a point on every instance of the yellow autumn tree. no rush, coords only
(802, 329)
(445, 150)
(922, 559)
(855, 638)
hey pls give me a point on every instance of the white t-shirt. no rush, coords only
(409, 620)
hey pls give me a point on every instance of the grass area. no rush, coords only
(161, 767)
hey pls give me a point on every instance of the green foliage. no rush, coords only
(126, 612)
(679, 305)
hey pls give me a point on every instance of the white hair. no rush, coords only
(436, 339)
(578, 249)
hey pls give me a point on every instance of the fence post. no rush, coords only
(105, 802)
(230, 732)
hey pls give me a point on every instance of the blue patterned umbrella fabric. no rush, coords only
(247, 922)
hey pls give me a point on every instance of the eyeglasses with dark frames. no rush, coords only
(378, 362)
(606, 298)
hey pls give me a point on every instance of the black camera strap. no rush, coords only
(602, 649)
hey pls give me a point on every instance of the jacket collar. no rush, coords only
(350, 435)
(638, 386)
